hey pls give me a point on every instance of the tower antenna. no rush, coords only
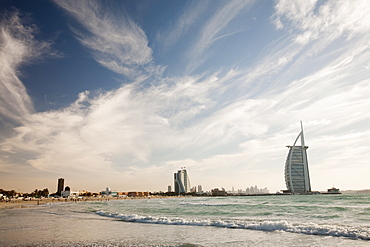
(302, 136)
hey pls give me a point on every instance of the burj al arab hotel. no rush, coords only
(297, 178)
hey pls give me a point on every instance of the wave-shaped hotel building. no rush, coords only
(297, 178)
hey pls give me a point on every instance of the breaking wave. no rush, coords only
(282, 225)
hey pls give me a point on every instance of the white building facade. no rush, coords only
(297, 177)
(182, 181)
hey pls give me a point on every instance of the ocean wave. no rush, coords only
(282, 225)
(205, 204)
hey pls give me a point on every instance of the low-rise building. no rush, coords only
(138, 194)
(219, 192)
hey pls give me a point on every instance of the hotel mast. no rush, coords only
(297, 178)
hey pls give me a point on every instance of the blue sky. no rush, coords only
(124, 93)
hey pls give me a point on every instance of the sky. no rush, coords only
(122, 94)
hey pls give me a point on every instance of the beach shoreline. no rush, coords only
(14, 203)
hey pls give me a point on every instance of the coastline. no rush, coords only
(12, 204)
(15, 203)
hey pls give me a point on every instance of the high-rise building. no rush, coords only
(182, 182)
(297, 177)
(60, 186)
(200, 189)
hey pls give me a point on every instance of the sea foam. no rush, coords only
(281, 225)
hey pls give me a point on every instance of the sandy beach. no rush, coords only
(19, 204)
(36, 202)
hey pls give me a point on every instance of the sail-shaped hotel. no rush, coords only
(297, 178)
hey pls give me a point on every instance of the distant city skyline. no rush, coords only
(123, 93)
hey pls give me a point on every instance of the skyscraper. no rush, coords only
(60, 186)
(200, 189)
(182, 182)
(297, 177)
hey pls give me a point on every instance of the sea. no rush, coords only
(286, 220)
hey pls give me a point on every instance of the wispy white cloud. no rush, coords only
(121, 126)
(188, 19)
(117, 42)
(17, 47)
(331, 18)
(333, 39)
(214, 28)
